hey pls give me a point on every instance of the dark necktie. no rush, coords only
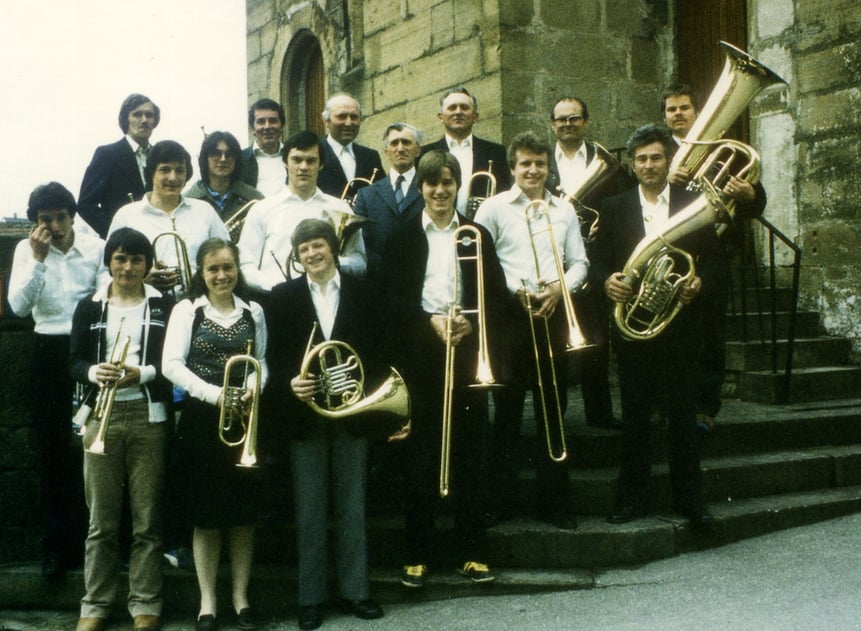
(399, 192)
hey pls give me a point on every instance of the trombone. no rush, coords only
(539, 211)
(233, 409)
(105, 400)
(472, 203)
(182, 269)
(463, 236)
(350, 187)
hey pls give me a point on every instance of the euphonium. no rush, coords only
(105, 400)
(340, 384)
(233, 409)
(465, 236)
(473, 202)
(352, 187)
(235, 222)
(602, 167)
(183, 267)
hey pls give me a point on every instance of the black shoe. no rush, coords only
(206, 623)
(562, 521)
(364, 609)
(52, 568)
(246, 620)
(624, 513)
(310, 616)
(606, 423)
(699, 517)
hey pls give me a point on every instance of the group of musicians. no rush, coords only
(466, 270)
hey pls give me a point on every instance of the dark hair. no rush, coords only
(459, 90)
(646, 135)
(130, 241)
(526, 141)
(301, 140)
(198, 285)
(308, 229)
(576, 99)
(50, 196)
(209, 146)
(679, 89)
(133, 101)
(163, 152)
(432, 164)
(265, 104)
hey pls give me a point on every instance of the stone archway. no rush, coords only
(303, 83)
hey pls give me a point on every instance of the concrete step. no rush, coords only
(753, 327)
(753, 299)
(527, 556)
(807, 384)
(807, 352)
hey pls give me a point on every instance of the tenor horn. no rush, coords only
(235, 412)
(473, 202)
(602, 167)
(107, 394)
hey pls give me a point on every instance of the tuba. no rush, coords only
(651, 267)
(464, 235)
(182, 269)
(472, 203)
(105, 400)
(340, 385)
(602, 167)
(233, 410)
(235, 222)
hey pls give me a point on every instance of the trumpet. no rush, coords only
(182, 269)
(233, 409)
(105, 400)
(351, 188)
(235, 222)
(464, 236)
(472, 203)
(340, 385)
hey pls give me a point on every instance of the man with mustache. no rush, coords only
(260, 164)
(115, 175)
(458, 112)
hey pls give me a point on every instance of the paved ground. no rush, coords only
(806, 579)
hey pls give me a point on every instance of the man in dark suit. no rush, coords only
(394, 200)
(260, 164)
(656, 375)
(458, 112)
(343, 159)
(323, 304)
(115, 175)
(420, 262)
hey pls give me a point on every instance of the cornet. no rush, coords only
(105, 400)
(235, 222)
(352, 187)
(472, 203)
(182, 269)
(233, 409)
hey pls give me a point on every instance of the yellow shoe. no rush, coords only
(477, 572)
(414, 575)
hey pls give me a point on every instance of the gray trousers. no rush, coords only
(134, 453)
(330, 457)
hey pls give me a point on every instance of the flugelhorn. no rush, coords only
(352, 187)
(234, 411)
(464, 236)
(182, 269)
(602, 167)
(235, 222)
(473, 202)
(339, 377)
(105, 400)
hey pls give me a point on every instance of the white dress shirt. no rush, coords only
(462, 150)
(51, 290)
(657, 214)
(345, 156)
(177, 342)
(408, 179)
(269, 228)
(193, 219)
(438, 288)
(504, 216)
(571, 170)
(271, 174)
(326, 299)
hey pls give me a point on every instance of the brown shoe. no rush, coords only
(146, 622)
(90, 624)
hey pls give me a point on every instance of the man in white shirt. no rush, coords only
(458, 113)
(530, 268)
(260, 164)
(265, 248)
(52, 270)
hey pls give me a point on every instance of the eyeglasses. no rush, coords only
(574, 118)
(222, 155)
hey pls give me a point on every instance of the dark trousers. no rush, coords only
(712, 306)
(62, 498)
(593, 315)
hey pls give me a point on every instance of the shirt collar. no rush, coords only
(430, 226)
(259, 152)
(514, 194)
(663, 196)
(581, 151)
(408, 175)
(452, 143)
(338, 148)
(203, 301)
(102, 292)
(135, 146)
(335, 282)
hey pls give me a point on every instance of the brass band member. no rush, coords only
(327, 458)
(135, 437)
(205, 330)
(261, 166)
(419, 268)
(504, 217)
(656, 376)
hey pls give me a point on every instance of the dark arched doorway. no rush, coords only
(302, 84)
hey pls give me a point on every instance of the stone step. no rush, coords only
(807, 384)
(807, 352)
(527, 556)
(754, 327)
(754, 300)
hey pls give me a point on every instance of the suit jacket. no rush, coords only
(377, 202)
(290, 317)
(482, 152)
(332, 179)
(248, 169)
(109, 181)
